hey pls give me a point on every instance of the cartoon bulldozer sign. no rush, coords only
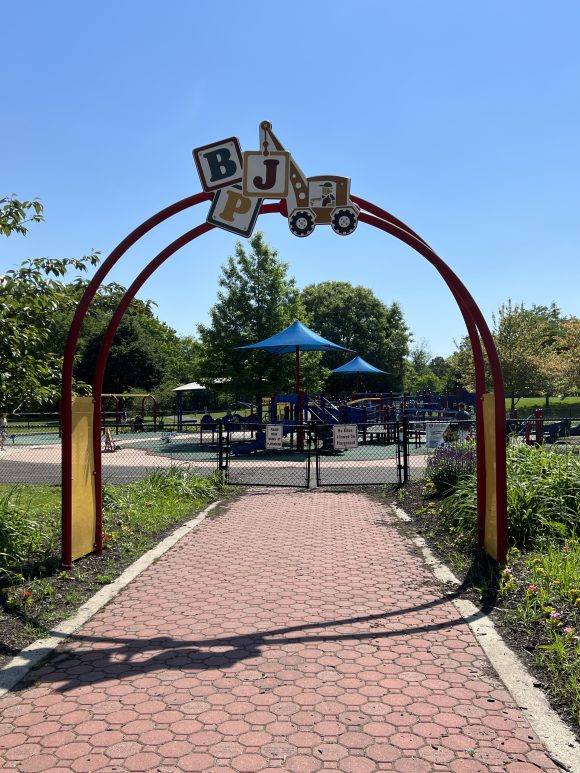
(241, 181)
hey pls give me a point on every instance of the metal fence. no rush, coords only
(369, 454)
(372, 454)
(34, 456)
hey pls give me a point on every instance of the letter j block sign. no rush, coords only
(234, 211)
(219, 164)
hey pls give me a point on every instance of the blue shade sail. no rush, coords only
(295, 335)
(358, 365)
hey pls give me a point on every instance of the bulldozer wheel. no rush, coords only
(301, 223)
(344, 221)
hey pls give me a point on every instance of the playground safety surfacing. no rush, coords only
(297, 631)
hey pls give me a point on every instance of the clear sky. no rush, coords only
(461, 118)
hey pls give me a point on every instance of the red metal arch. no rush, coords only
(475, 323)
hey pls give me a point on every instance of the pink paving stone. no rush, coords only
(72, 751)
(41, 762)
(23, 751)
(471, 766)
(123, 749)
(248, 763)
(141, 761)
(155, 737)
(357, 765)
(175, 749)
(303, 764)
(138, 726)
(10, 740)
(91, 763)
(412, 765)
(382, 752)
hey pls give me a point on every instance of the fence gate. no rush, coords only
(360, 455)
(326, 455)
(266, 455)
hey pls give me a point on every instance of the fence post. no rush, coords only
(405, 449)
(220, 427)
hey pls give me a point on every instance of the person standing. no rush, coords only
(3, 429)
(463, 419)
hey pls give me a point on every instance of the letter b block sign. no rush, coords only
(233, 211)
(219, 164)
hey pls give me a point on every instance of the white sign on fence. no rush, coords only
(274, 436)
(345, 436)
(434, 433)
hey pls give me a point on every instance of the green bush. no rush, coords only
(543, 496)
(24, 540)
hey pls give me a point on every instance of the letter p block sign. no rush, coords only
(233, 211)
(219, 164)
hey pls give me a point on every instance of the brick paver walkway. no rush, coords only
(298, 631)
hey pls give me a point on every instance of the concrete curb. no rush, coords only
(558, 739)
(21, 664)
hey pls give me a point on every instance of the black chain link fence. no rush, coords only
(252, 454)
(33, 455)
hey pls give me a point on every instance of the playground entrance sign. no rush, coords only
(274, 436)
(435, 431)
(270, 173)
(345, 436)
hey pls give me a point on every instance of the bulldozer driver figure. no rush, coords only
(328, 198)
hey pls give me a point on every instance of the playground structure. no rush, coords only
(373, 413)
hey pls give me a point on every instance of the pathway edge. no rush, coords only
(552, 731)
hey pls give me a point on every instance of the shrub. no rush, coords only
(543, 496)
(449, 465)
(24, 540)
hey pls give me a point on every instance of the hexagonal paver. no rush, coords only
(299, 631)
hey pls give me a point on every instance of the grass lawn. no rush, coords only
(566, 407)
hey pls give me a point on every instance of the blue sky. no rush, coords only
(462, 119)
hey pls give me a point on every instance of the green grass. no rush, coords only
(36, 499)
(565, 407)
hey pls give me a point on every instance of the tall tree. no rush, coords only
(564, 359)
(29, 297)
(354, 317)
(419, 374)
(256, 299)
(524, 338)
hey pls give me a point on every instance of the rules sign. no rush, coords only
(274, 436)
(345, 436)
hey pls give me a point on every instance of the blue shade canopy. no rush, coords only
(295, 335)
(357, 365)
